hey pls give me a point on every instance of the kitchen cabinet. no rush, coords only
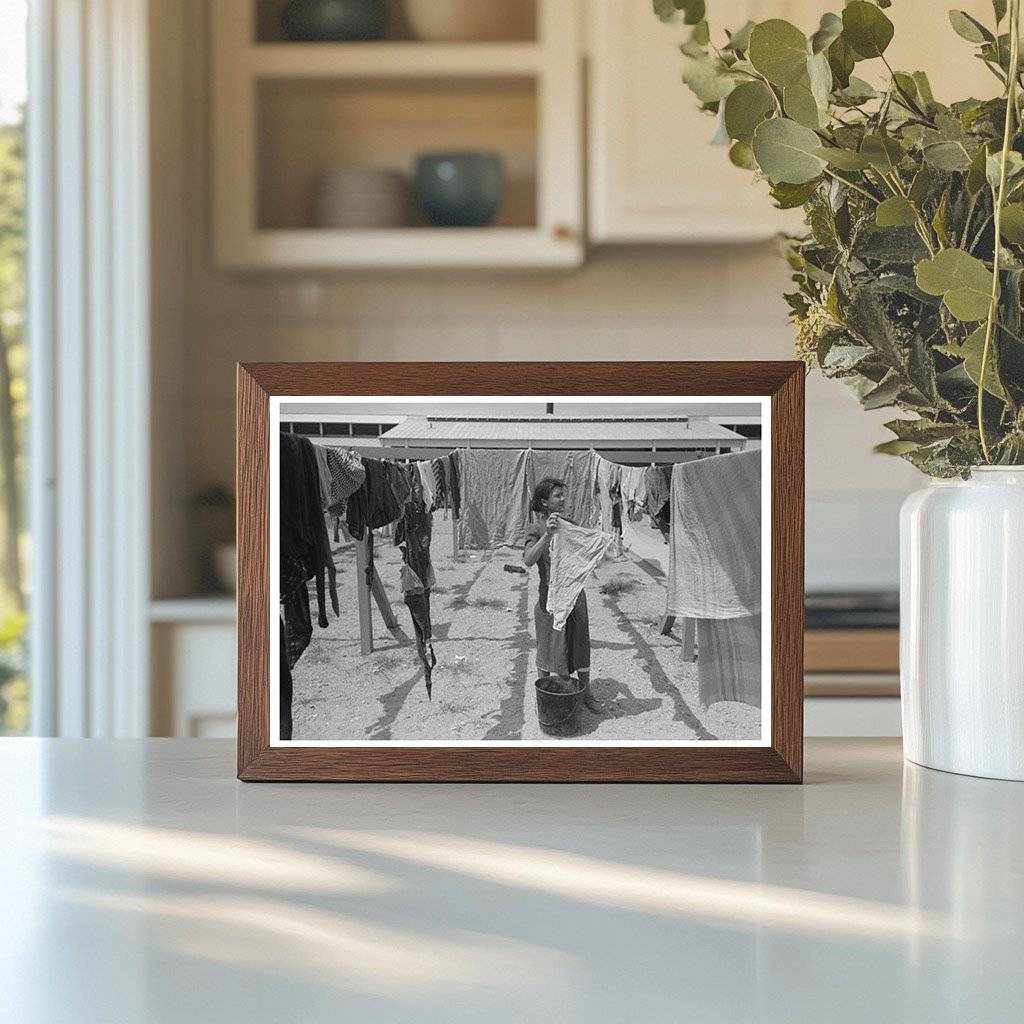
(286, 114)
(654, 177)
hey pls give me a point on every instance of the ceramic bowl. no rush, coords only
(332, 21)
(460, 189)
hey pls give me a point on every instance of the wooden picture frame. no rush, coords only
(779, 760)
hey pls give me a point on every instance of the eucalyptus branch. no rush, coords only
(1011, 108)
(851, 184)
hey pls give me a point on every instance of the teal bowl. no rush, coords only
(460, 189)
(334, 21)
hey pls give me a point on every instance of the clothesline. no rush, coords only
(700, 516)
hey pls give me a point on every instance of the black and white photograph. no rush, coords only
(519, 570)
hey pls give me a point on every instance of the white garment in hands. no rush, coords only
(575, 552)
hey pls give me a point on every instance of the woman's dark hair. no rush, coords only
(543, 491)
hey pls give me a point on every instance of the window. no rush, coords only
(14, 696)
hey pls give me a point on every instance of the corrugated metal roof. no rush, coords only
(559, 431)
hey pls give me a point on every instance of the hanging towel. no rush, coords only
(575, 552)
(494, 499)
(582, 505)
(578, 471)
(715, 562)
(729, 660)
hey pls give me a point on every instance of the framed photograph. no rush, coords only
(577, 572)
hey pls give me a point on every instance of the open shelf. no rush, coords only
(309, 127)
(520, 23)
(393, 60)
(286, 114)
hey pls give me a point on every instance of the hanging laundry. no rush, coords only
(553, 463)
(427, 485)
(440, 484)
(576, 551)
(608, 476)
(581, 501)
(578, 471)
(729, 660)
(657, 483)
(452, 471)
(633, 486)
(715, 561)
(413, 535)
(285, 688)
(494, 498)
(305, 549)
(346, 477)
(380, 499)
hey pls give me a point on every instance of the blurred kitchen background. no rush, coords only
(463, 179)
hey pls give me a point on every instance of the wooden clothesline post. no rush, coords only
(363, 596)
(689, 641)
(376, 588)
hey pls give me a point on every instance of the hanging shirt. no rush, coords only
(715, 559)
(634, 487)
(381, 498)
(576, 551)
(494, 499)
(346, 477)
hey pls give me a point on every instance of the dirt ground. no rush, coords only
(483, 639)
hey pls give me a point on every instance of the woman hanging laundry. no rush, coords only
(563, 652)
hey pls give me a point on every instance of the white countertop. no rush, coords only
(140, 882)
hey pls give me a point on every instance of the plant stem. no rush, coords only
(853, 185)
(1011, 107)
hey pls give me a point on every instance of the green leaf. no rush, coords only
(779, 51)
(866, 29)
(745, 108)
(895, 447)
(741, 155)
(801, 106)
(1011, 226)
(922, 431)
(707, 78)
(882, 151)
(971, 352)
(922, 185)
(999, 9)
(701, 34)
(976, 173)
(947, 156)
(858, 91)
(841, 63)
(819, 74)
(829, 30)
(969, 28)
(924, 88)
(963, 281)
(788, 197)
(1014, 166)
(844, 159)
(885, 394)
(786, 151)
(739, 41)
(895, 212)
(690, 12)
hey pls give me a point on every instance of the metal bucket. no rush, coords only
(559, 714)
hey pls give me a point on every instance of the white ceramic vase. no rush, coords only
(962, 624)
